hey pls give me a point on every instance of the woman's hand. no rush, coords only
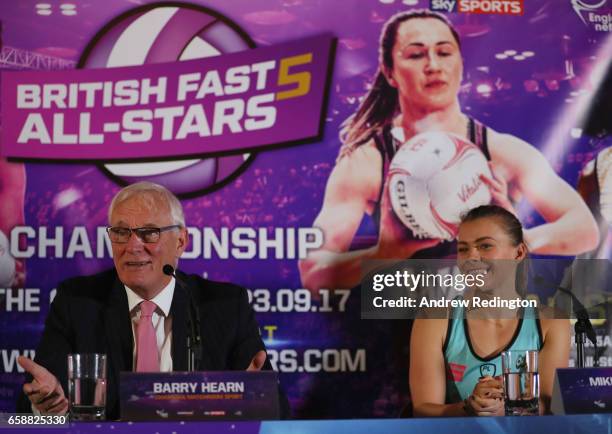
(394, 239)
(499, 189)
(487, 398)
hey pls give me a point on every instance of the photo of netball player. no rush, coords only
(595, 187)
(416, 90)
(455, 363)
(12, 192)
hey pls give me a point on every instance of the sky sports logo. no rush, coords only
(501, 7)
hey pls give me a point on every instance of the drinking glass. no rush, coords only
(87, 386)
(521, 382)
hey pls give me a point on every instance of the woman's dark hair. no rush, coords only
(511, 225)
(381, 103)
(513, 228)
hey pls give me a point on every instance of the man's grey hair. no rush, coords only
(153, 193)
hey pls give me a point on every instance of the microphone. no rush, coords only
(583, 324)
(194, 338)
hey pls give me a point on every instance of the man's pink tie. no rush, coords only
(147, 355)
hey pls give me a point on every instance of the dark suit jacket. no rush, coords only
(90, 315)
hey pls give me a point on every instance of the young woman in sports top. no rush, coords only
(455, 362)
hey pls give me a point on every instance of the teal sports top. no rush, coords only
(464, 367)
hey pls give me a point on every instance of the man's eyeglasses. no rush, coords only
(148, 235)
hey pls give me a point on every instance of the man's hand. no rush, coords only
(258, 361)
(45, 392)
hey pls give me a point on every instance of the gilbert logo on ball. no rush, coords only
(169, 32)
(433, 179)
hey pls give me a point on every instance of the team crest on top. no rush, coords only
(488, 369)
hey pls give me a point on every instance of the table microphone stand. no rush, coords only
(580, 339)
(583, 329)
(194, 343)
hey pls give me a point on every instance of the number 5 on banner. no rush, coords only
(302, 79)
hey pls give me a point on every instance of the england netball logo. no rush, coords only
(590, 13)
(169, 32)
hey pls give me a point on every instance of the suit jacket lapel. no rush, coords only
(178, 310)
(119, 338)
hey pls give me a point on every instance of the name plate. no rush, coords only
(582, 390)
(218, 395)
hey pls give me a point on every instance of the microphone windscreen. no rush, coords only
(168, 270)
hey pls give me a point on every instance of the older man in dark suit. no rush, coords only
(136, 313)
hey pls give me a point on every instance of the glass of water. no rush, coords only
(87, 386)
(521, 382)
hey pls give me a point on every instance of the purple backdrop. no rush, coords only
(332, 364)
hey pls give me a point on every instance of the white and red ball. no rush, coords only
(433, 179)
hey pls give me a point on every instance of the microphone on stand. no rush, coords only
(194, 339)
(582, 326)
